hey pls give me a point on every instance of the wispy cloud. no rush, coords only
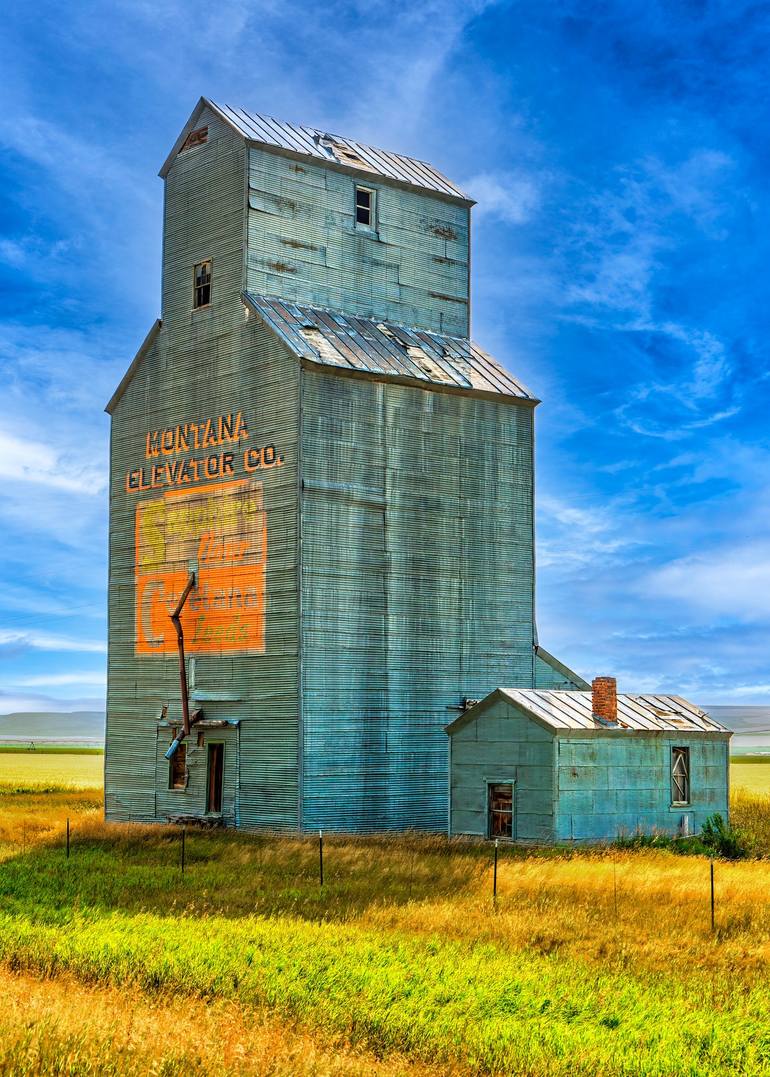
(504, 196)
(23, 460)
(59, 680)
(49, 641)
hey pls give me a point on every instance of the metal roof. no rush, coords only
(573, 710)
(333, 149)
(376, 347)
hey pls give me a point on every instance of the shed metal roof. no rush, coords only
(384, 349)
(333, 149)
(573, 710)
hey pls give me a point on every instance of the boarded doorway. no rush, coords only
(216, 770)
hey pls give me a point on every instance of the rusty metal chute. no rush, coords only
(188, 720)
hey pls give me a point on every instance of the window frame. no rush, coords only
(209, 284)
(372, 192)
(681, 753)
(491, 784)
(173, 763)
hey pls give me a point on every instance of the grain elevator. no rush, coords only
(321, 494)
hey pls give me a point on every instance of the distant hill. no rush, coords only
(74, 727)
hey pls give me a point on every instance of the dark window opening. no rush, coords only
(680, 775)
(501, 811)
(365, 207)
(202, 284)
(177, 768)
(216, 770)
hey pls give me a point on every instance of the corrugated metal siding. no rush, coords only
(304, 246)
(610, 785)
(337, 150)
(201, 366)
(502, 746)
(394, 351)
(417, 588)
(572, 785)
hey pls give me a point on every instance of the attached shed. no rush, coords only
(543, 766)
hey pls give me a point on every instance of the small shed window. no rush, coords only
(680, 775)
(365, 207)
(177, 768)
(501, 810)
(202, 284)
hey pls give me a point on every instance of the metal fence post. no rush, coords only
(494, 874)
(182, 852)
(321, 857)
(68, 837)
(712, 895)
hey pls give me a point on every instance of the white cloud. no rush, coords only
(571, 537)
(506, 196)
(26, 460)
(57, 680)
(45, 641)
(725, 583)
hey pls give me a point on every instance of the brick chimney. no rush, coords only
(604, 699)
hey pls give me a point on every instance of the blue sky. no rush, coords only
(619, 154)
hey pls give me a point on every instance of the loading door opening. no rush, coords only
(216, 769)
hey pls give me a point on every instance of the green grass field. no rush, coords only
(400, 964)
(751, 774)
(51, 769)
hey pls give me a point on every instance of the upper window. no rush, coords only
(680, 775)
(365, 207)
(202, 284)
(177, 768)
(500, 808)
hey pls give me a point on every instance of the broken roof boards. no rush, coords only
(333, 150)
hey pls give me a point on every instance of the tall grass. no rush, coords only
(56, 1027)
(578, 967)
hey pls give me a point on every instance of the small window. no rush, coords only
(365, 205)
(500, 811)
(202, 284)
(177, 768)
(680, 775)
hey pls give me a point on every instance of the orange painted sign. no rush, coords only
(219, 532)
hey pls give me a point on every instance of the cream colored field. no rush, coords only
(751, 777)
(30, 770)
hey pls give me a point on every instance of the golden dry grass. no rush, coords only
(588, 913)
(62, 1027)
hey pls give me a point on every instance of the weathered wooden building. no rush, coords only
(545, 766)
(326, 481)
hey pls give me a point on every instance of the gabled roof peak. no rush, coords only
(334, 150)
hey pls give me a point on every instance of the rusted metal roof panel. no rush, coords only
(573, 710)
(385, 350)
(339, 151)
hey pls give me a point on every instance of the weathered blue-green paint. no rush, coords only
(304, 245)
(399, 517)
(417, 587)
(581, 785)
(502, 745)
